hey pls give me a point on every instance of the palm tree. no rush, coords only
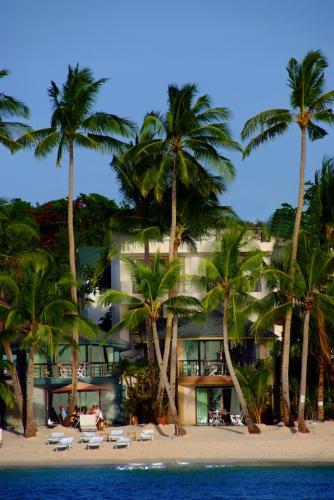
(314, 291)
(309, 104)
(11, 107)
(73, 123)
(232, 274)
(186, 142)
(17, 233)
(153, 283)
(38, 313)
(256, 386)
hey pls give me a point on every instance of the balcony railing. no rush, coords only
(64, 370)
(201, 368)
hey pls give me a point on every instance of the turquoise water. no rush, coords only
(176, 482)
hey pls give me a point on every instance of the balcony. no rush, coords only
(64, 370)
(201, 369)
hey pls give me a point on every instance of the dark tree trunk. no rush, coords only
(30, 429)
(288, 420)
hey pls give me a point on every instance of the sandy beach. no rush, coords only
(275, 444)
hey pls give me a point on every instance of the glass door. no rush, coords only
(202, 405)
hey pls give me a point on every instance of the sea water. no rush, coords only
(177, 481)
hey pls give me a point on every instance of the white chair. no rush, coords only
(236, 419)
(122, 442)
(87, 423)
(87, 436)
(64, 443)
(55, 437)
(115, 434)
(94, 442)
(146, 435)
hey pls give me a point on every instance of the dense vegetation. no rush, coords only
(172, 172)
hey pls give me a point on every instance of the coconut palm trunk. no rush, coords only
(288, 419)
(15, 380)
(320, 392)
(74, 295)
(302, 427)
(148, 332)
(30, 429)
(164, 377)
(324, 358)
(252, 427)
(171, 256)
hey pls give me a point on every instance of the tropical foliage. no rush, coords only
(310, 105)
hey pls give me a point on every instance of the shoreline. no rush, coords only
(164, 464)
(202, 446)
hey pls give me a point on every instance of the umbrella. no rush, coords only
(82, 387)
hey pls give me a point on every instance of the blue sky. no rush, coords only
(236, 52)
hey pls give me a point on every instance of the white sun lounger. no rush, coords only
(65, 443)
(95, 442)
(87, 436)
(122, 442)
(115, 434)
(55, 437)
(146, 435)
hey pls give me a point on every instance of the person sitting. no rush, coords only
(99, 418)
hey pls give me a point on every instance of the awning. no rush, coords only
(82, 387)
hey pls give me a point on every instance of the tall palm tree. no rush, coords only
(314, 290)
(38, 313)
(11, 107)
(231, 273)
(154, 283)
(73, 123)
(309, 105)
(187, 140)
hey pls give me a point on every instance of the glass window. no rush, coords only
(190, 350)
(213, 350)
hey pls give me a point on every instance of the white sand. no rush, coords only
(202, 444)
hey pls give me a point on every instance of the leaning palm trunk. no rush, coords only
(74, 295)
(15, 381)
(173, 356)
(302, 427)
(324, 358)
(148, 333)
(252, 427)
(171, 257)
(320, 397)
(30, 429)
(178, 429)
(288, 420)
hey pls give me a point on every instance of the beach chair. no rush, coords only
(87, 436)
(115, 434)
(55, 437)
(94, 442)
(64, 443)
(88, 423)
(236, 419)
(122, 442)
(146, 435)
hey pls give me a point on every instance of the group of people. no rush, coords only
(75, 417)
